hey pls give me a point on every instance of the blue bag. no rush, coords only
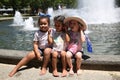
(89, 44)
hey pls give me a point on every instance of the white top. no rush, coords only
(42, 38)
(59, 41)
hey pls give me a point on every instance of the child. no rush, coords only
(59, 40)
(77, 37)
(40, 46)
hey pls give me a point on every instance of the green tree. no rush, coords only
(36, 4)
(15, 4)
(1, 4)
(118, 3)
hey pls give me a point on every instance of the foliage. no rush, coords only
(118, 3)
(36, 4)
(39, 4)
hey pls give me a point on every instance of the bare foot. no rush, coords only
(12, 73)
(64, 73)
(71, 72)
(55, 73)
(79, 72)
(43, 71)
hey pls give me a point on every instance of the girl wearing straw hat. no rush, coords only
(74, 49)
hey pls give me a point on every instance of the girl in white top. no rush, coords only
(59, 40)
(40, 45)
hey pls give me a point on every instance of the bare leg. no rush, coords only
(69, 61)
(46, 58)
(54, 64)
(24, 61)
(78, 62)
(63, 58)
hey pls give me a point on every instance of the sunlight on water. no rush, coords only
(103, 28)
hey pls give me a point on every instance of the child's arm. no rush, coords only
(67, 38)
(50, 39)
(82, 36)
(35, 45)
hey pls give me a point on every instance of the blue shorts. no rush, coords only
(41, 51)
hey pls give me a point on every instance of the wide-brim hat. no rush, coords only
(81, 21)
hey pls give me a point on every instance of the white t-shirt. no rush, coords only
(42, 38)
(59, 41)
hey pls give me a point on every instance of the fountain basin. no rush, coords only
(95, 62)
(105, 38)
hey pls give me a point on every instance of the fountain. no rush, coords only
(98, 11)
(94, 11)
(50, 11)
(104, 28)
(18, 19)
(28, 24)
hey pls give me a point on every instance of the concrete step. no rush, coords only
(95, 62)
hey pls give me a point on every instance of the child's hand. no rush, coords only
(49, 31)
(40, 58)
(81, 28)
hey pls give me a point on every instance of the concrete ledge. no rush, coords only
(96, 62)
(5, 18)
(10, 18)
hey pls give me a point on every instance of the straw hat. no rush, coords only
(81, 21)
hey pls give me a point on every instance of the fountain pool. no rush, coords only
(104, 33)
(105, 38)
